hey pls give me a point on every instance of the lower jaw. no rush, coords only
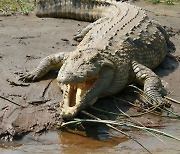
(70, 112)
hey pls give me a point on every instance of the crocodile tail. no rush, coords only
(86, 10)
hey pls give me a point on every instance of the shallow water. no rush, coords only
(103, 141)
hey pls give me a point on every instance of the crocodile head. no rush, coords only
(83, 78)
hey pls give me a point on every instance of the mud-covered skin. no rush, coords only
(120, 47)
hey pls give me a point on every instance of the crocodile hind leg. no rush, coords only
(152, 84)
(81, 34)
(54, 61)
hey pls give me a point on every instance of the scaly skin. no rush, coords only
(120, 47)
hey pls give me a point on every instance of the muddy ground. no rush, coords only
(33, 107)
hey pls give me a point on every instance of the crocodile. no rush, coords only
(121, 46)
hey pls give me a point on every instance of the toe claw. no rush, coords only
(27, 77)
(78, 37)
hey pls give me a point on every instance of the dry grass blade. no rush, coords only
(114, 113)
(122, 124)
(136, 122)
(173, 100)
(149, 110)
(142, 94)
(103, 111)
(118, 130)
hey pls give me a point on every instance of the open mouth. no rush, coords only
(76, 93)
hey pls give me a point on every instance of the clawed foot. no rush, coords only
(78, 36)
(28, 77)
(164, 104)
(158, 104)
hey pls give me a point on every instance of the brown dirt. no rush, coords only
(24, 40)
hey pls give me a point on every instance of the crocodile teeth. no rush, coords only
(75, 93)
(66, 89)
(79, 94)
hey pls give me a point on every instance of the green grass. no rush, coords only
(10, 7)
(168, 2)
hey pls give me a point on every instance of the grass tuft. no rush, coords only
(11, 7)
(121, 124)
(168, 2)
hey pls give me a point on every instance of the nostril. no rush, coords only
(61, 78)
(65, 77)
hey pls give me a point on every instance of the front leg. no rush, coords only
(54, 61)
(81, 34)
(152, 84)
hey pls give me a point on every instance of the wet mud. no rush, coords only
(27, 110)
